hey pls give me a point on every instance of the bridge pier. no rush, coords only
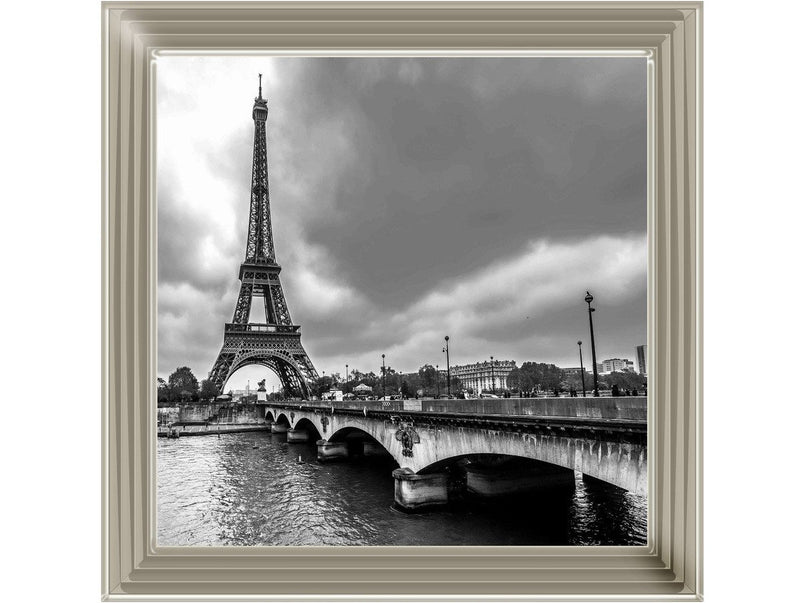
(498, 481)
(278, 427)
(298, 435)
(414, 492)
(332, 451)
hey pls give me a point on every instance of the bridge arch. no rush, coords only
(351, 432)
(361, 442)
(491, 475)
(269, 416)
(305, 424)
(490, 461)
(282, 419)
(621, 464)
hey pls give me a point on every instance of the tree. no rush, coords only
(427, 374)
(572, 380)
(519, 379)
(209, 391)
(406, 390)
(322, 385)
(162, 391)
(370, 379)
(180, 381)
(414, 383)
(536, 376)
(623, 380)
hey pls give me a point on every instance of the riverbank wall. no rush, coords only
(207, 419)
(210, 429)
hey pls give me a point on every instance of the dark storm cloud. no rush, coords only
(448, 176)
(395, 185)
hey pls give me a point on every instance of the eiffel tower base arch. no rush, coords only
(281, 352)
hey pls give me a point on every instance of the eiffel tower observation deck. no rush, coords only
(275, 343)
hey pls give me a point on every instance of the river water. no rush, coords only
(252, 489)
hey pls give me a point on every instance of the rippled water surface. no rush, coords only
(251, 489)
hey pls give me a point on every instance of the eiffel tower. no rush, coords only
(276, 343)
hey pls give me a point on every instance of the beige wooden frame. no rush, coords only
(668, 568)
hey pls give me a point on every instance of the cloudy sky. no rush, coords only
(411, 198)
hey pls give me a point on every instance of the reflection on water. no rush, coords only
(256, 489)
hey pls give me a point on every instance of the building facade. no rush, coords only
(484, 376)
(617, 365)
(642, 359)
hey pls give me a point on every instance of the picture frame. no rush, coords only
(669, 35)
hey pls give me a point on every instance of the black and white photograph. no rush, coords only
(402, 301)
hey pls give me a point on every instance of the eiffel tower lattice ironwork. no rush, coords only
(276, 343)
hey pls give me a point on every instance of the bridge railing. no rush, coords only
(629, 408)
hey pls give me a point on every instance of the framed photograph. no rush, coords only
(402, 301)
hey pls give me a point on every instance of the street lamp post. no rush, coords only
(583, 380)
(346, 377)
(383, 376)
(588, 299)
(493, 380)
(449, 384)
(438, 384)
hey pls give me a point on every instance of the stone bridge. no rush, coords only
(482, 442)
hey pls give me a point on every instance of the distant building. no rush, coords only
(573, 370)
(642, 360)
(483, 375)
(361, 390)
(617, 365)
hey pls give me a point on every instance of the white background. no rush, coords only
(50, 226)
